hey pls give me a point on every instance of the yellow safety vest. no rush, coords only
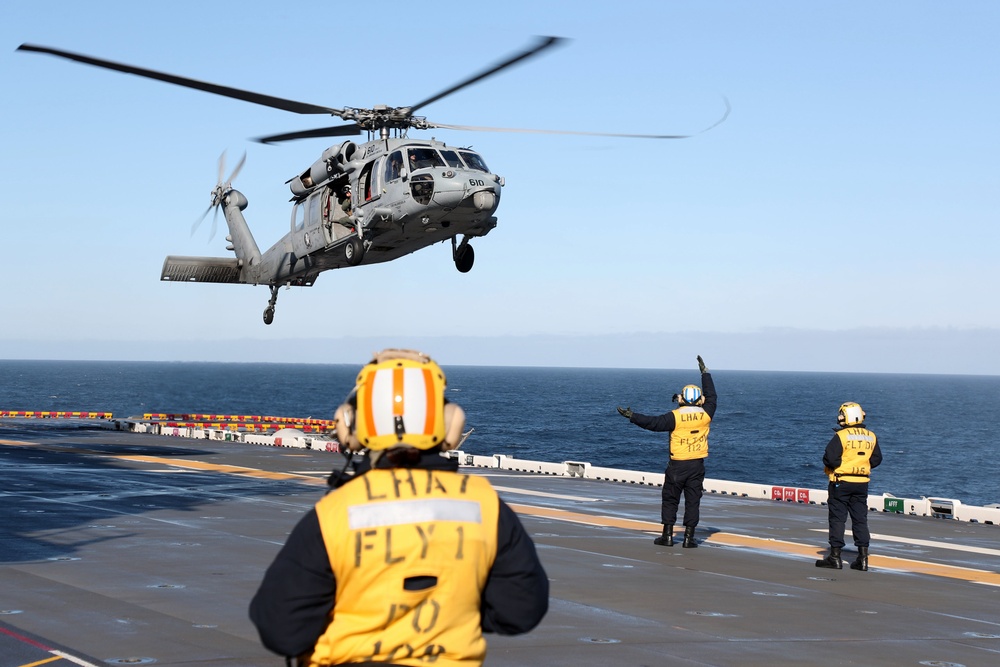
(411, 550)
(689, 439)
(855, 460)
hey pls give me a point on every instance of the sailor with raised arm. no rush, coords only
(688, 426)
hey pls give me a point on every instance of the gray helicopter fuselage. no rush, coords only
(405, 194)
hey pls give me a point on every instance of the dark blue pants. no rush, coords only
(685, 477)
(848, 498)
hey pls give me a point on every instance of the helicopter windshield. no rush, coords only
(474, 161)
(451, 157)
(421, 158)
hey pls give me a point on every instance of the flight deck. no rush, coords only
(121, 548)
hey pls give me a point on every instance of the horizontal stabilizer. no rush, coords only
(201, 269)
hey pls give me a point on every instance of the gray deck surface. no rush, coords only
(119, 548)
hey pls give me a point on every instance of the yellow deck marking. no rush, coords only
(734, 540)
(180, 463)
(218, 467)
(42, 662)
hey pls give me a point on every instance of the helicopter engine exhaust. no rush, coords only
(334, 160)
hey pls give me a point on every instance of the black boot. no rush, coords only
(689, 542)
(667, 538)
(833, 561)
(861, 562)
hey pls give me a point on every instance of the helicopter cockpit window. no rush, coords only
(474, 161)
(451, 157)
(394, 166)
(421, 158)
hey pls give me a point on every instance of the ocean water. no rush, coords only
(939, 434)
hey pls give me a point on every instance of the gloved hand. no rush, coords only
(701, 365)
(625, 412)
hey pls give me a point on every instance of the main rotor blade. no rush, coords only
(589, 134)
(226, 91)
(477, 128)
(336, 131)
(542, 44)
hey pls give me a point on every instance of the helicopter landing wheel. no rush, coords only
(269, 311)
(354, 252)
(464, 258)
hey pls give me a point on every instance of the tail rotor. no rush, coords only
(219, 192)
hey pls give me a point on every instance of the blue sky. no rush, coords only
(853, 187)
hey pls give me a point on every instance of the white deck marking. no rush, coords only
(543, 494)
(927, 543)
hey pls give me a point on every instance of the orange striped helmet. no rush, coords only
(398, 399)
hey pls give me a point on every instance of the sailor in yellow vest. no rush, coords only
(409, 562)
(848, 461)
(688, 426)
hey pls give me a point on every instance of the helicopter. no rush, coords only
(358, 203)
